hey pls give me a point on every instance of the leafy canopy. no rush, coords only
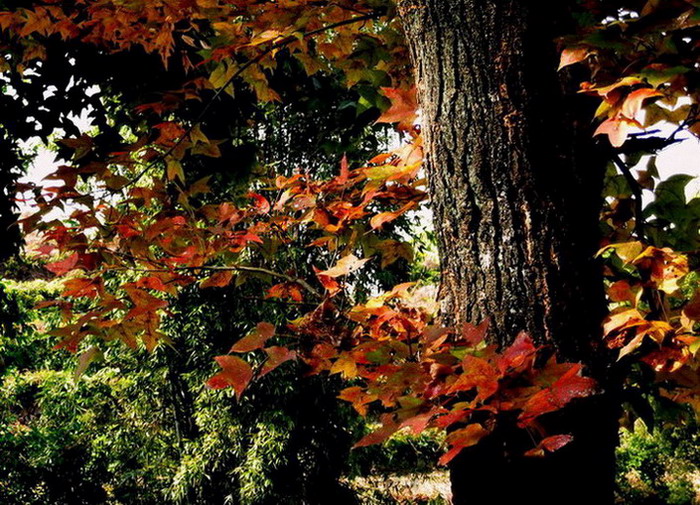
(134, 208)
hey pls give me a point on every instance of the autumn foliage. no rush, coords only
(136, 212)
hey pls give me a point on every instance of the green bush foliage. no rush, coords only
(138, 428)
(660, 466)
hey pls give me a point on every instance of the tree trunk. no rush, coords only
(10, 168)
(516, 187)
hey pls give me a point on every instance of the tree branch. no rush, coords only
(636, 189)
(235, 268)
(654, 299)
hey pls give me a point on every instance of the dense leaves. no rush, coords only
(140, 226)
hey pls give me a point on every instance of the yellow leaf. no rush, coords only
(622, 319)
(346, 265)
(263, 37)
(345, 365)
(221, 75)
(174, 170)
(626, 251)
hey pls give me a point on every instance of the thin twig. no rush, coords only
(278, 301)
(229, 268)
(637, 192)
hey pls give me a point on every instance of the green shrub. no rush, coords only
(658, 467)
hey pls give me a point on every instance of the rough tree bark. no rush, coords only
(515, 185)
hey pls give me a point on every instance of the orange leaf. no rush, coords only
(77, 288)
(572, 55)
(218, 280)
(417, 424)
(329, 284)
(143, 301)
(692, 309)
(550, 444)
(382, 218)
(631, 346)
(622, 319)
(460, 439)
(275, 357)
(261, 203)
(235, 373)
(153, 283)
(344, 171)
(285, 290)
(614, 87)
(403, 107)
(616, 129)
(264, 37)
(621, 291)
(255, 339)
(474, 335)
(477, 373)
(378, 436)
(385, 217)
(358, 397)
(65, 265)
(520, 354)
(572, 385)
(569, 386)
(635, 100)
(345, 365)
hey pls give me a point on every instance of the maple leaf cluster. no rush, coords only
(422, 375)
(247, 36)
(419, 374)
(654, 315)
(642, 63)
(138, 231)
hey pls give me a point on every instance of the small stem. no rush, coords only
(236, 268)
(636, 189)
